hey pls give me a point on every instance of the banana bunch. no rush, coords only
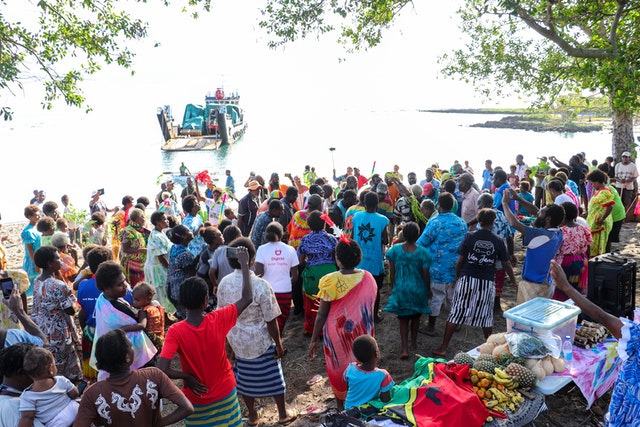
(504, 399)
(501, 377)
(498, 391)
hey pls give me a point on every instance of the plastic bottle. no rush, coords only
(567, 351)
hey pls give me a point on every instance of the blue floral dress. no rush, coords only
(180, 261)
(30, 236)
(625, 400)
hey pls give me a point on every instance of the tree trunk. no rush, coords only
(622, 134)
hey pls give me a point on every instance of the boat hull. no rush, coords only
(204, 142)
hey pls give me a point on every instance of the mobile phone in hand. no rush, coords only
(232, 253)
(7, 287)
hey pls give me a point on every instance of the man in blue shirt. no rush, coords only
(370, 231)
(442, 237)
(542, 242)
(487, 175)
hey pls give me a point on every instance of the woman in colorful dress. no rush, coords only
(119, 221)
(182, 265)
(157, 262)
(133, 249)
(410, 283)
(573, 254)
(31, 240)
(599, 217)
(316, 255)
(53, 309)
(347, 298)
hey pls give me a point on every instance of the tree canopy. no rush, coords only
(549, 47)
(361, 23)
(59, 42)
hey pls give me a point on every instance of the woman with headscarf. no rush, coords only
(133, 248)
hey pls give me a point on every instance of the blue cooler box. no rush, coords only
(541, 315)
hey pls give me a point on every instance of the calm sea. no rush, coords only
(72, 153)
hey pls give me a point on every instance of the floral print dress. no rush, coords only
(50, 298)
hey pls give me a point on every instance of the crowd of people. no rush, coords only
(196, 274)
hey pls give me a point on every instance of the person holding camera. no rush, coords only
(255, 339)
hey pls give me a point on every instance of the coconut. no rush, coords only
(487, 348)
(538, 371)
(530, 363)
(558, 364)
(500, 349)
(547, 365)
(497, 339)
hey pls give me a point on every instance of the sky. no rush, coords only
(226, 46)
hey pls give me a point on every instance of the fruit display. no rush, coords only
(497, 389)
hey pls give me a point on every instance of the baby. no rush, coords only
(150, 313)
(365, 381)
(51, 397)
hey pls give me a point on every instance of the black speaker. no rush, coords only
(612, 284)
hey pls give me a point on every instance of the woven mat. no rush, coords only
(527, 412)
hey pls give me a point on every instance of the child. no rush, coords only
(168, 205)
(97, 232)
(512, 178)
(231, 216)
(409, 278)
(365, 381)
(150, 313)
(207, 377)
(51, 397)
(112, 311)
(526, 195)
(46, 226)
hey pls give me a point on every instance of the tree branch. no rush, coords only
(551, 35)
(613, 36)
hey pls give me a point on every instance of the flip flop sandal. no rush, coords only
(314, 379)
(291, 417)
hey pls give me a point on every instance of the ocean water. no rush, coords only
(69, 152)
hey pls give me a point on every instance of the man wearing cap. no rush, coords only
(248, 207)
(626, 174)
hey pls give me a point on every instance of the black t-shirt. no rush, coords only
(481, 250)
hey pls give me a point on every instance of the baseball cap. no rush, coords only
(254, 185)
(626, 154)
(427, 188)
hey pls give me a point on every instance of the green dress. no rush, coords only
(600, 232)
(410, 295)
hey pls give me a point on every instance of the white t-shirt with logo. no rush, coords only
(278, 259)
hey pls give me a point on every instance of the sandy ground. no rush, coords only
(567, 407)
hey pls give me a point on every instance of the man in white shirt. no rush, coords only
(626, 174)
